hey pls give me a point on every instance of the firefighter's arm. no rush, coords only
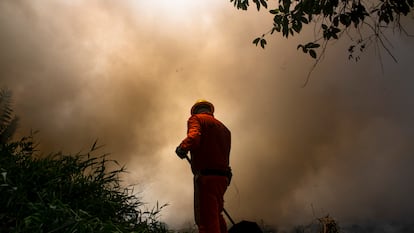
(193, 134)
(193, 137)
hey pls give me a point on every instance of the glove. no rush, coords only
(181, 152)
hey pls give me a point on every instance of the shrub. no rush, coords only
(67, 193)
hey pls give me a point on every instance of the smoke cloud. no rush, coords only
(126, 73)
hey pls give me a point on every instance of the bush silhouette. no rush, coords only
(63, 193)
(67, 193)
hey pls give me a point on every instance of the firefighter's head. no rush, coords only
(202, 106)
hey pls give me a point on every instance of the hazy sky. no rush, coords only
(127, 72)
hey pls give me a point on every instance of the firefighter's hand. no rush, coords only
(181, 152)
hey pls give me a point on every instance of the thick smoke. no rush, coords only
(127, 74)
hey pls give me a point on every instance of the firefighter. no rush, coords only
(208, 141)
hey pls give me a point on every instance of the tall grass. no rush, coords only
(67, 193)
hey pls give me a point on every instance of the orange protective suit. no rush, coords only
(208, 141)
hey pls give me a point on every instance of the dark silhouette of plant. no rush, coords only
(64, 193)
(8, 122)
(328, 225)
(334, 19)
(67, 193)
(363, 22)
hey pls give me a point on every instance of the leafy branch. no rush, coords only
(335, 17)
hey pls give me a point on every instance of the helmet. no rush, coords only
(203, 103)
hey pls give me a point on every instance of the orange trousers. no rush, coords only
(209, 203)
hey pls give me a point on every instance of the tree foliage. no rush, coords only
(363, 21)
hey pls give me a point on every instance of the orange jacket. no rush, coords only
(208, 141)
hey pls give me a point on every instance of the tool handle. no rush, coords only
(228, 216)
(188, 159)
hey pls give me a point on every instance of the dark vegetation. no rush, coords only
(365, 24)
(64, 193)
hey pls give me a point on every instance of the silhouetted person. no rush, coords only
(208, 141)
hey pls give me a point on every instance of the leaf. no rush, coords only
(263, 43)
(312, 53)
(304, 20)
(304, 49)
(277, 19)
(345, 20)
(297, 26)
(264, 3)
(257, 4)
(312, 45)
(94, 145)
(274, 11)
(286, 5)
(285, 26)
(335, 30)
(241, 4)
(256, 41)
(336, 21)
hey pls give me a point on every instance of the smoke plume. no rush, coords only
(126, 73)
